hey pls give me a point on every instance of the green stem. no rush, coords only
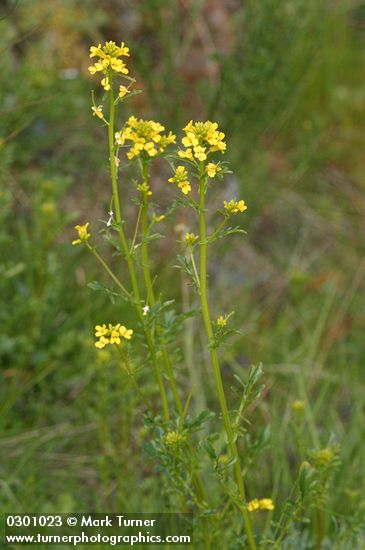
(108, 270)
(201, 493)
(320, 529)
(149, 289)
(127, 254)
(129, 370)
(215, 363)
(217, 231)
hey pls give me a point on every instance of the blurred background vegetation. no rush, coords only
(285, 80)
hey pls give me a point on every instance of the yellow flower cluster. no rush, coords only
(109, 61)
(144, 189)
(111, 334)
(181, 179)
(221, 321)
(174, 438)
(202, 138)
(83, 234)
(235, 207)
(263, 504)
(145, 135)
(190, 239)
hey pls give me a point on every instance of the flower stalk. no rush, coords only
(131, 268)
(215, 360)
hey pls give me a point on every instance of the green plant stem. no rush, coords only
(215, 363)
(152, 301)
(201, 493)
(108, 270)
(320, 529)
(129, 370)
(128, 257)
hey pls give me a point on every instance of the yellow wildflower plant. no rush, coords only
(109, 61)
(83, 234)
(263, 504)
(181, 179)
(111, 334)
(202, 138)
(235, 207)
(144, 136)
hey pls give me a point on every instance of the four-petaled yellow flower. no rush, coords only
(212, 169)
(109, 55)
(221, 321)
(123, 91)
(111, 334)
(263, 504)
(97, 111)
(235, 207)
(145, 136)
(202, 138)
(181, 179)
(83, 234)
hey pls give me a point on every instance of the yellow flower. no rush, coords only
(266, 504)
(144, 136)
(199, 152)
(150, 148)
(188, 154)
(263, 504)
(123, 91)
(102, 342)
(111, 334)
(253, 505)
(212, 169)
(181, 179)
(105, 83)
(185, 187)
(98, 111)
(235, 207)
(100, 330)
(221, 321)
(202, 138)
(126, 333)
(190, 140)
(83, 234)
(190, 239)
